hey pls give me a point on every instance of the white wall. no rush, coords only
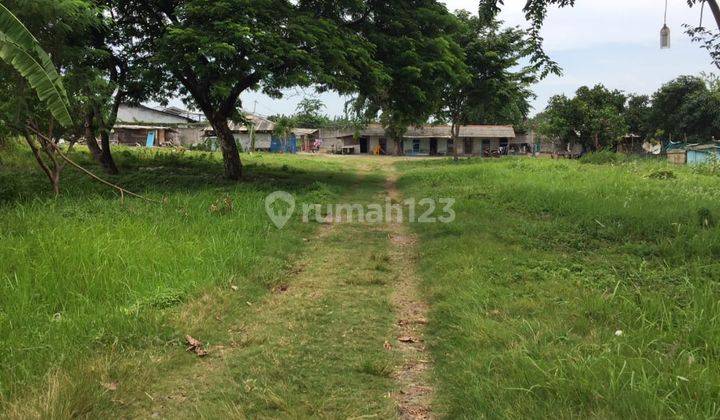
(137, 115)
(262, 141)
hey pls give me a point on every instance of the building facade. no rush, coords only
(139, 125)
(430, 140)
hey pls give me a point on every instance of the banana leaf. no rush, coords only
(31, 69)
(22, 50)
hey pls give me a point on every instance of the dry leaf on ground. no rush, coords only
(110, 386)
(195, 346)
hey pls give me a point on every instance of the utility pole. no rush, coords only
(252, 129)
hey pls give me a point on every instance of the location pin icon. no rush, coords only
(279, 219)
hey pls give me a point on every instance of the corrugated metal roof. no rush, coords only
(304, 131)
(143, 127)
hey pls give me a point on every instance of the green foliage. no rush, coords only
(601, 157)
(309, 114)
(594, 118)
(415, 50)
(19, 48)
(284, 127)
(685, 109)
(490, 89)
(638, 116)
(662, 174)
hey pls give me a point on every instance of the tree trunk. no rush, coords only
(90, 139)
(53, 173)
(107, 160)
(455, 134)
(231, 155)
(103, 156)
(55, 181)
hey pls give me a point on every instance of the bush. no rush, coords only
(9, 187)
(602, 157)
(662, 174)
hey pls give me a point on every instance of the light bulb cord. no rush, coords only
(666, 10)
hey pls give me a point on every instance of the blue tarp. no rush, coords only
(278, 145)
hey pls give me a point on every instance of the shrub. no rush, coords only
(602, 157)
(662, 174)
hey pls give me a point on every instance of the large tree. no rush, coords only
(308, 114)
(594, 117)
(638, 116)
(493, 88)
(106, 70)
(414, 42)
(212, 51)
(685, 109)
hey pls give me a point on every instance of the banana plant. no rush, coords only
(20, 49)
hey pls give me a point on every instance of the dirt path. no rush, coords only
(341, 336)
(415, 396)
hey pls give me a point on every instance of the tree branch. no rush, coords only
(121, 190)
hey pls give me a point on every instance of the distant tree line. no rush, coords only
(686, 109)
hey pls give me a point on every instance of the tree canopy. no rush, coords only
(685, 109)
(493, 88)
(414, 47)
(211, 51)
(593, 118)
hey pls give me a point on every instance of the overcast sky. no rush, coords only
(614, 42)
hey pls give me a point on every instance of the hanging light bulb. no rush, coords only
(665, 31)
(665, 37)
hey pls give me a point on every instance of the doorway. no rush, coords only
(468, 146)
(383, 146)
(433, 147)
(364, 145)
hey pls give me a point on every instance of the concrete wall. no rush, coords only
(190, 136)
(262, 141)
(135, 137)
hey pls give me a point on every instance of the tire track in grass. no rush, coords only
(313, 348)
(415, 396)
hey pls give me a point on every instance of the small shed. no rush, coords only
(677, 156)
(141, 135)
(703, 153)
(145, 126)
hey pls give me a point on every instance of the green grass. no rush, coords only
(545, 262)
(85, 278)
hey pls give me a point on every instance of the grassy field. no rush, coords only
(566, 289)
(86, 281)
(562, 289)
